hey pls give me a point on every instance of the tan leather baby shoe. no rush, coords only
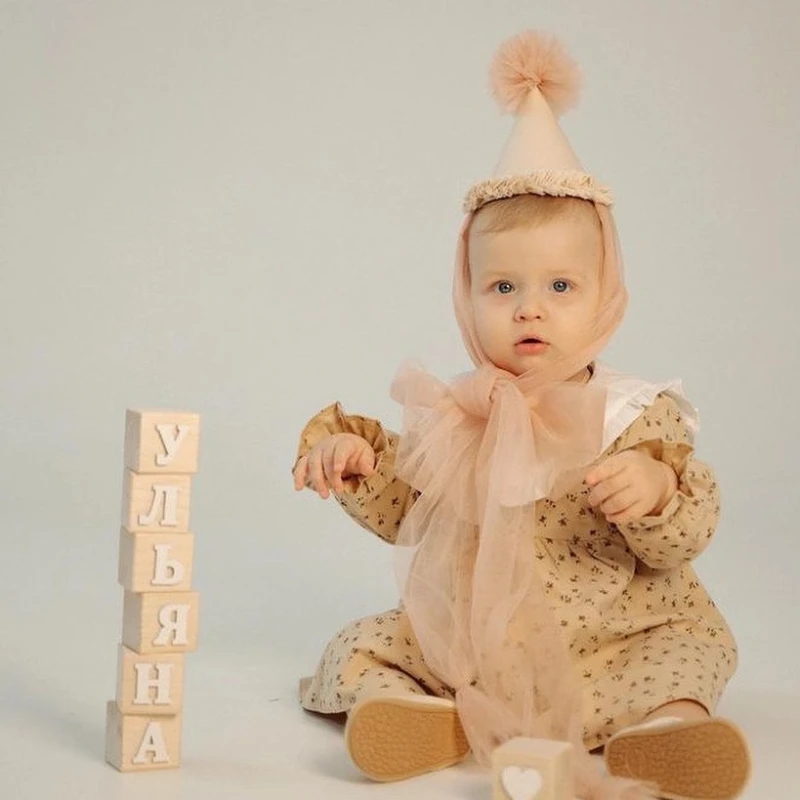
(394, 737)
(704, 759)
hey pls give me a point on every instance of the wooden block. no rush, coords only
(533, 769)
(155, 562)
(156, 503)
(160, 622)
(141, 742)
(149, 684)
(162, 441)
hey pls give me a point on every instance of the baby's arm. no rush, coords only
(378, 502)
(687, 522)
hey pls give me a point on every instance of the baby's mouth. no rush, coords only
(530, 344)
(529, 338)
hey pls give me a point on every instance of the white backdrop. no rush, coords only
(249, 210)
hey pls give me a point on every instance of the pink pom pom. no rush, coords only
(533, 59)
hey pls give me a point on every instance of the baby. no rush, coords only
(614, 556)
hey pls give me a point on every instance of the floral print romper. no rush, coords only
(641, 627)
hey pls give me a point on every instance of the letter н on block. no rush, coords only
(149, 683)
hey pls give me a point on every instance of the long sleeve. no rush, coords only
(380, 502)
(687, 523)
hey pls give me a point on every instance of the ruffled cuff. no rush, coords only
(686, 525)
(660, 432)
(331, 420)
(677, 456)
(380, 502)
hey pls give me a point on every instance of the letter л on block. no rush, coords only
(156, 503)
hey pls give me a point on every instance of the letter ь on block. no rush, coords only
(155, 562)
(162, 441)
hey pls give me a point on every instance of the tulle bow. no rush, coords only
(481, 451)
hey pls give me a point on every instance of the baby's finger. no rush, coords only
(317, 476)
(612, 466)
(339, 456)
(333, 461)
(326, 459)
(366, 461)
(619, 502)
(608, 488)
(635, 512)
(300, 473)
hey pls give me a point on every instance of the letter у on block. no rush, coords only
(162, 441)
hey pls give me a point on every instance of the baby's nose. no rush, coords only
(529, 307)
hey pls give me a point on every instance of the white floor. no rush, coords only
(245, 737)
(264, 621)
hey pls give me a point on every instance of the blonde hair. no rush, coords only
(531, 210)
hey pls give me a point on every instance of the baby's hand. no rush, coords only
(630, 485)
(331, 459)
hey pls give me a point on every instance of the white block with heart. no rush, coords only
(533, 769)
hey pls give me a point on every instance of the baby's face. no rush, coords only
(538, 282)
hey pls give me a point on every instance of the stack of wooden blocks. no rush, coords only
(160, 612)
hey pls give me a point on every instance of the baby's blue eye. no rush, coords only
(560, 286)
(504, 283)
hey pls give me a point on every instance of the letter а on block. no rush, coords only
(137, 743)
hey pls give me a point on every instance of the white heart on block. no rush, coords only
(521, 783)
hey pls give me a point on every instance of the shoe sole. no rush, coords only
(391, 739)
(697, 760)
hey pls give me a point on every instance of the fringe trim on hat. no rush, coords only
(545, 182)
